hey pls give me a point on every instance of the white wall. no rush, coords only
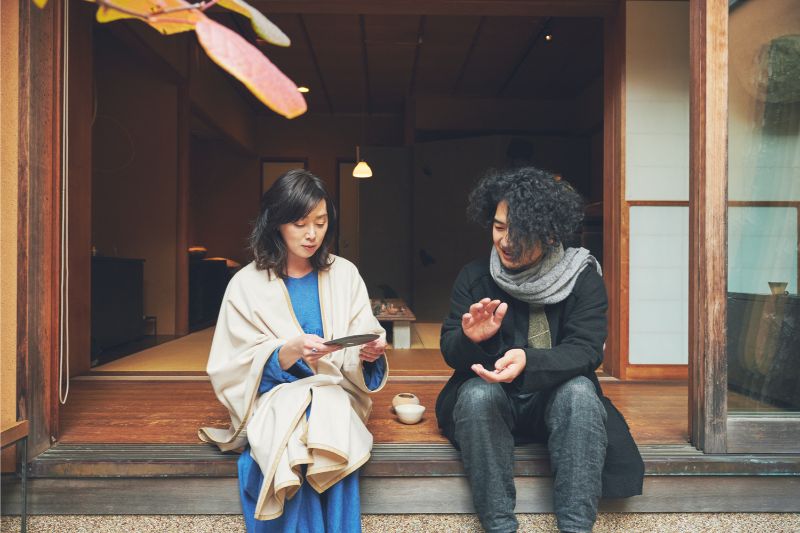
(657, 169)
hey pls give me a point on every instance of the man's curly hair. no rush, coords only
(541, 207)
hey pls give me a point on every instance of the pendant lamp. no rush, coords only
(361, 169)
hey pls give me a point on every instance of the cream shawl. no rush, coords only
(256, 317)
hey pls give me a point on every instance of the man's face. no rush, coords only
(503, 246)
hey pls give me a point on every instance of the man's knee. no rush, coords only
(477, 397)
(578, 395)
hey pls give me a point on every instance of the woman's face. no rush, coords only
(303, 237)
(503, 246)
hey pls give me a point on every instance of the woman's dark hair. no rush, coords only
(541, 206)
(290, 198)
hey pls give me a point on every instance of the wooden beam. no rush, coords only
(534, 38)
(315, 61)
(80, 107)
(39, 250)
(420, 493)
(387, 459)
(657, 372)
(182, 209)
(615, 229)
(492, 8)
(420, 38)
(19, 430)
(467, 58)
(708, 155)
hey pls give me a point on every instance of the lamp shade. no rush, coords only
(362, 170)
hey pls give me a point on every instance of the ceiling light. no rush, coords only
(362, 169)
(548, 37)
(303, 89)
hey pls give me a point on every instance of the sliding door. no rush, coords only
(763, 302)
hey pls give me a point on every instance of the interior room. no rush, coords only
(179, 154)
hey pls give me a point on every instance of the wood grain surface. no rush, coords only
(170, 412)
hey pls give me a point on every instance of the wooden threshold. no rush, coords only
(148, 412)
(399, 478)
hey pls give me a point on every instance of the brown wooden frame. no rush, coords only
(628, 370)
(615, 227)
(39, 246)
(40, 157)
(708, 158)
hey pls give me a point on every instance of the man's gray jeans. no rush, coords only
(571, 419)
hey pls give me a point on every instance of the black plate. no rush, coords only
(352, 340)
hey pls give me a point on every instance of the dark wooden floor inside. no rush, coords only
(134, 412)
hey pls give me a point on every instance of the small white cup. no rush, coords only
(409, 413)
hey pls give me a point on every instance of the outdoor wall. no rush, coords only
(657, 170)
(9, 138)
(224, 192)
(134, 174)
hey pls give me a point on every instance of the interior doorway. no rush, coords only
(449, 97)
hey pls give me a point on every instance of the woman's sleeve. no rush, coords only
(362, 320)
(273, 374)
(374, 372)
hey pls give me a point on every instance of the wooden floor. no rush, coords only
(139, 412)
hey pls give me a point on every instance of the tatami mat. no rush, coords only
(190, 353)
(186, 354)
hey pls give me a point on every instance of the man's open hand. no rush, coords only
(506, 369)
(483, 319)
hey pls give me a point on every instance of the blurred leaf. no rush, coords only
(167, 23)
(246, 63)
(261, 24)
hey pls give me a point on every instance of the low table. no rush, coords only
(396, 311)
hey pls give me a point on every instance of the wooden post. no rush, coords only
(708, 39)
(39, 251)
(614, 187)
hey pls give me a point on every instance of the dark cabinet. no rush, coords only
(117, 302)
(764, 347)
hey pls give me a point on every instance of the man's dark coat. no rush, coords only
(578, 329)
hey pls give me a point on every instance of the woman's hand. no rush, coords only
(372, 351)
(506, 369)
(309, 348)
(483, 319)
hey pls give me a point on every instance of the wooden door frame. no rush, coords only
(40, 176)
(41, 60)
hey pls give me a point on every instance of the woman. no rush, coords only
(298, 406)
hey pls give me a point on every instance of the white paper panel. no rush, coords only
(659, 285)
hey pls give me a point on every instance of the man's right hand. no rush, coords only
(483, 319)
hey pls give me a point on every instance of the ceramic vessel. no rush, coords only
(404, 398)
(409, 413)
(777, 287)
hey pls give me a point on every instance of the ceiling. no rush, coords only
(370, 63)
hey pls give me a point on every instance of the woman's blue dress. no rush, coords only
(339, 507)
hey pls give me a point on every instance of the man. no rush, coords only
(525, 334)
